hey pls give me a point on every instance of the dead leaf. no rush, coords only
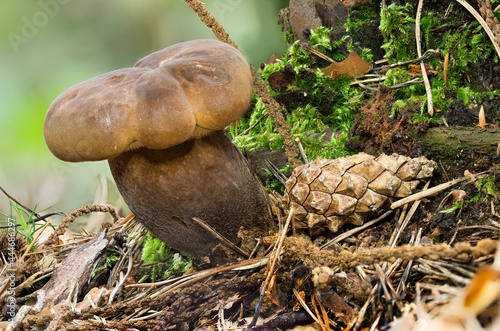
(94, 294)
(469, 174)
(458, 195)
(446, 61)
(354, 66)
(339, 308)
(482, 118)
(415, 69)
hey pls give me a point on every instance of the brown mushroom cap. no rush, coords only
(181, 92)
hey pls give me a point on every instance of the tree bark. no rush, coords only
(460, 139)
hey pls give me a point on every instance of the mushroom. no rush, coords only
(160, 126)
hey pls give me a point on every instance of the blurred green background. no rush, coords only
(47, 46)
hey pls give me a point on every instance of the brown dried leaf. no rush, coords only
(458, 195)
(482, 118)
(94, 294)
(354, 67)
(445, 67)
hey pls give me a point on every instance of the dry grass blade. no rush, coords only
(362, 311)
(34, 241)
(356, 230)
(389, 292)
(272, 268)
(306, 308)
(316, 52)
(401, 219)
(408, 217)
(406, 273)
(427, 84)
(324, 315)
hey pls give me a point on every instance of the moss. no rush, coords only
(110, 258)
(396, 26)
(162, 261)
(327, 102)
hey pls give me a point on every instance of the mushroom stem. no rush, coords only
(206, 178)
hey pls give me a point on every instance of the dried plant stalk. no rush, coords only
(282, 126)
(297, 250)
(92, 208)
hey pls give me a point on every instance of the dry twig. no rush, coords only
(430, 107)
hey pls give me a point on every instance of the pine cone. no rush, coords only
(326, 194)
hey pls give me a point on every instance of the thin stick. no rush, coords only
(379, 79)
(301, 150)
(430, 107)
(428, 53)
(317, 52)
(18, 203)
(367, 87)
(223, 240)
(253, 125)
(409, 215)
(355, 230)
(426, 193)
(413, 81)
